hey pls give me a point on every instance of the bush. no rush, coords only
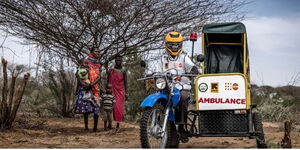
(136, 89)
(273, 110)
(276, 104)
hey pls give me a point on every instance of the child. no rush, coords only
(107, 103)
(83, 70)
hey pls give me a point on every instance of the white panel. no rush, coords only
(221, 92)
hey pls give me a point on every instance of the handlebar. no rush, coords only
(188, 75)
(146, 78)
(160, 75)
(166, 73)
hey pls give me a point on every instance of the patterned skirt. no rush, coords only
(85, 106)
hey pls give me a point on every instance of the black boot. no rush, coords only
(181, 113)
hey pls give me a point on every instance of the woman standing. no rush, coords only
(118, 80)
(87, 107)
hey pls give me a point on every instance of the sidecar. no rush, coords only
(222, 92)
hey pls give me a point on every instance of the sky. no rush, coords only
(273, 33)
(273, 40)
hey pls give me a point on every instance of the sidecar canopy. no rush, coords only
(225, 48)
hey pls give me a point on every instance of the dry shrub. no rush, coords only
(296, 113)
(277, 104)
(30, 123)
(273, 110)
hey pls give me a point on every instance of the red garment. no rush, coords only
(94, 73)
(116, 79)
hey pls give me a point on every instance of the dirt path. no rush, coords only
(69, 133)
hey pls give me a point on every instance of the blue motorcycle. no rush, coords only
(157, 125)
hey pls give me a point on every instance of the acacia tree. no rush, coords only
(69, 28)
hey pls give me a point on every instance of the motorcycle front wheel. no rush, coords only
(150, 129)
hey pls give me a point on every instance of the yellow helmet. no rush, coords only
(173, 41)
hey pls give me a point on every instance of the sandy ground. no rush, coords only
(69, 133)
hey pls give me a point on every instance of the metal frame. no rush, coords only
(196, 117)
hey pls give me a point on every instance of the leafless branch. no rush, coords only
(70, 28)
(295, 79)
(5, 37)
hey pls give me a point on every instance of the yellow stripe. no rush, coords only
(196, 93)
(246, 65)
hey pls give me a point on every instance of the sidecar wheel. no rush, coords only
(258, 126)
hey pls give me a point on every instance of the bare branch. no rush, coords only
(295, 79)
(70, 28)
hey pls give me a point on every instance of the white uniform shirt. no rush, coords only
(182, 63)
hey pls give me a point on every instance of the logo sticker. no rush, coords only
(228, 86)
(214, 87)
(235, 86)
(180, 65)
(231, 86)
(203, 87)
(166, 66)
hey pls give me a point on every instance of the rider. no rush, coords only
(183, 64)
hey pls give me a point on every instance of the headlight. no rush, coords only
(160, 83)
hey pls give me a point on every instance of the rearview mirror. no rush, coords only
(200, 58)
(143, 64)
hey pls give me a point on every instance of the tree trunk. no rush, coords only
(12, 91)
(18, 99)
(3, 106)
(286, 141)
(10, 103)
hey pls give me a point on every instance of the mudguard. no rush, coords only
(151, 100)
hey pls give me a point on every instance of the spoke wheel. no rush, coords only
(150, 129)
